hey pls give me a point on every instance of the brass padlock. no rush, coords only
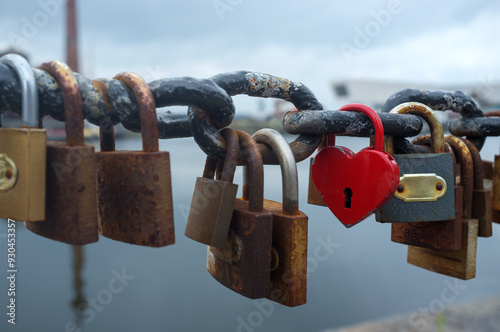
(71, 203)
(481, 198)
(244, 265)
(23, 153)
(134, 187)
(460, 263)
(213, 200)
(445, 234)
(289, 266)
(313, 195)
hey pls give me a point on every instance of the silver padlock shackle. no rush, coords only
(29, 91)
(288, 167)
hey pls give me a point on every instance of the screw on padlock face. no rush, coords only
(133, 209)
(425, 178)
(252, 227)
(23, 153)
(356, 185)
(213, 200)
(71, 202)
(289, 263)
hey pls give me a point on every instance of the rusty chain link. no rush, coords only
(107, 102)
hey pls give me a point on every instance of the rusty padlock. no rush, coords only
(134, 187)
(460, 263)
(492, 178)
(313, 195)
(289, 269)
(481, 198)
(445, 234)
(71, 203)
(244, 265)
(213, 200)
(23, 153)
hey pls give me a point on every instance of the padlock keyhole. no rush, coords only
(347, 198)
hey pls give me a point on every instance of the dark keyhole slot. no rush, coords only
(348, 197)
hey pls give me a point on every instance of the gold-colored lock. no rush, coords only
(23, 166)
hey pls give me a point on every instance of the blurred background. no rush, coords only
(344, 52)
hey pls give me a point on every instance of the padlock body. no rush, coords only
(289, 279)
(71, 202)
(27, 148)
(211, 211)
(482, 211)
(396, 210)
(444, 235)
(250, 274)
(496, 184)
(135, 197)
(313, 195)
(458, 264)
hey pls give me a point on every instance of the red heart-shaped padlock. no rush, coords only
(356, 185)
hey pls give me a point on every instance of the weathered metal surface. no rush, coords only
(257, 85)
(246, 267)
(121, 106)
(213, 200)
(475, 127)
(71, 202)
(455, 101)
(289, 278)
(134, 187)
(349, 123)
(481, 198)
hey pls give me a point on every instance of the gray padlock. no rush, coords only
(426, 189)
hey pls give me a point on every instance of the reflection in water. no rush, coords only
(78, 302)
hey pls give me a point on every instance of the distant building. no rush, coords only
(374, 93)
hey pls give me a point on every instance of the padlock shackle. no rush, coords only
(253, 190)
(147, 109)
(288, 167)
(228, 167)
(464, 157)
(29, 91)
(73, 110)
(478, 164)
(232, 153)
(375, 119)
(430, 117)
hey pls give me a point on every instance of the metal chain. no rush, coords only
(107, 102)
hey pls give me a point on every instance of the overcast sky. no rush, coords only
(313, 42)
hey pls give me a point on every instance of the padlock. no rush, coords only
(492, 178)
(422, 194)
(446, 234)
(244, 265)
(23, 153)
(71, 203)
(289, 267)
(481, 198)
(488, 170)
(356, 185)
(134, 187)
(459, 263)
(213, 200)
(313, 195)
